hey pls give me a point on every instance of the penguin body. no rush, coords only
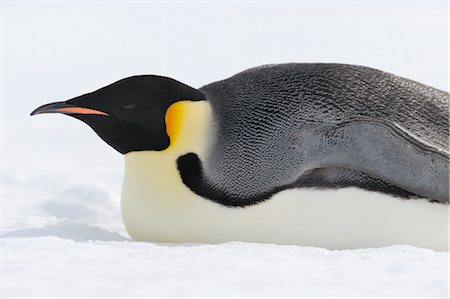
(326, 155)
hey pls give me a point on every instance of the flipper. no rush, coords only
(336, 178)
(388, 152)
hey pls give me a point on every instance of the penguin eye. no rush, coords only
(128, 107)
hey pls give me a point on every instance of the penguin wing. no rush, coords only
(336, 177)
(387, 151)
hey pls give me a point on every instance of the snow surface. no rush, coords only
(57, 260)
(62, 235)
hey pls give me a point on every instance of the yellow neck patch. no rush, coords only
(175, 116)
(188, 126)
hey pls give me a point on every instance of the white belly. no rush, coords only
(157, 206)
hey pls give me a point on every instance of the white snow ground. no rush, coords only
(62, 234)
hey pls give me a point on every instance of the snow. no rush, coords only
(64, 258)
(62, 235)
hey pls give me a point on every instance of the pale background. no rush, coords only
(58, 176)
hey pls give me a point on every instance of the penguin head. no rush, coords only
(130, 114)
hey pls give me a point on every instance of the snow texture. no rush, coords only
(57, 259)
(62, 235)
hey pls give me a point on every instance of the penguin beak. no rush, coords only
(63, 107)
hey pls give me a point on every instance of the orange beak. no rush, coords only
(62, 107)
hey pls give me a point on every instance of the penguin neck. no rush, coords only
(188, 124)
(152, 183)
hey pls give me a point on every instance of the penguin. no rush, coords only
(314, 154)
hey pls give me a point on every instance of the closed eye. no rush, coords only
(129, 106)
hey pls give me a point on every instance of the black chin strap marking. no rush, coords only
(191, 173)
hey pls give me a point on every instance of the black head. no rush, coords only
(129, 114)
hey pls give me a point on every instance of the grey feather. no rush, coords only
(327, 125)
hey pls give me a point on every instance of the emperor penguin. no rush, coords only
(314, 154)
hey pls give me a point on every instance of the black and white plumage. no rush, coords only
(309, 154)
